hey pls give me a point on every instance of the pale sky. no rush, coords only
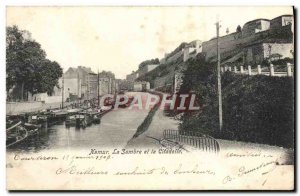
(117, 39)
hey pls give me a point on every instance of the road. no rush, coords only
(161, 122)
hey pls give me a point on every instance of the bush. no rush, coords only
(148, 62)
(261, 109)
(283, 61)
(257, 109)
(200, 78)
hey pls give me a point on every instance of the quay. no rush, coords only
(17, 108)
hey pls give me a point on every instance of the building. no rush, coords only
(79, 83)
(256, 53)
(257, 41)
(255, 26)
(228, 42)
(183, 52)
(192, 49)
(276, 31)
(92, 86)
(141, 86)
(130, 78)
(107, 85)
(72, 88)
(80, 72)
(83, 82)
(123, 85)
(281, 21)
(175, 56)
(147, 68)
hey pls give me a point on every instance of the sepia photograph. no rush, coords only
(166, 98)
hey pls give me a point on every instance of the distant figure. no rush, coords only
(227, 30)
(239, 29)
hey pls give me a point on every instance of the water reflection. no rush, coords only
(117, 127)
(61, 137)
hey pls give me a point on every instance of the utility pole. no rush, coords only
(98, 89)
(219, 77)
(78, 88)
(115, 87)
(109, 85)
(62, 92)
(88, 86)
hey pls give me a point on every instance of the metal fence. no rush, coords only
(205, 143)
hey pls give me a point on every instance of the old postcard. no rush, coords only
(150, 98)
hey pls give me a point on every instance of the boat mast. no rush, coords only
(63, 92)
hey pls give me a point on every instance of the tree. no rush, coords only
(45, 78)
(26, 65)
(200, 78)
(239, 29)
(148, 62)
(107, 74)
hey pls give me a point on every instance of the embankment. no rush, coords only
(13, 108)
(258, 109)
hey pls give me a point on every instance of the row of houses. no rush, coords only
(83, 83)
(80, 83)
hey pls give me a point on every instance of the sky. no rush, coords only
(118, 39)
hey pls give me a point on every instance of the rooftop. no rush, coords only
(256, 20)
(286, 15)
(80, 68)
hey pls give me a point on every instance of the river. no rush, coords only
(116, 128)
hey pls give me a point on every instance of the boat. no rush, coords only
(70, 120)
(97, 115)
(80, 121)
(38, 119)
(19, 132)
(13, 119)
(79, 118)
(56, 116)
(74, 111)
(96, 119)
(31, 127)
(99, 112)
(105, 109)
(83, 119)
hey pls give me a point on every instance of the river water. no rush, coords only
(59, 137)
(116, 128)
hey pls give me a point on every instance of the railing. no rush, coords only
(205, 143)
(258, 71)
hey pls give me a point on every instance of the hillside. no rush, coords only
(235, 50)
(257, 109)
(162, 70)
